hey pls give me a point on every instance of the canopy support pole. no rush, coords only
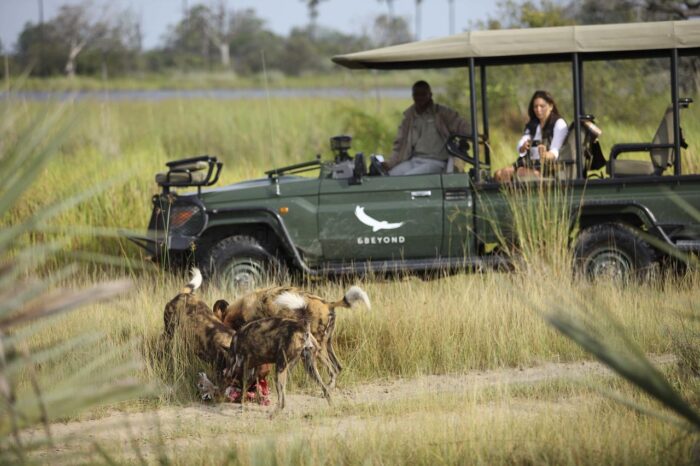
(485, 116)
(676, 113)
(472, 104)
(575, 69)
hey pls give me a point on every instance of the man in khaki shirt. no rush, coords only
(419, 147)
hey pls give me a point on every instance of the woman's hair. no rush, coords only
(547, 97)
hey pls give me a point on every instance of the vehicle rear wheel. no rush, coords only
(240, 263)
(613, 251)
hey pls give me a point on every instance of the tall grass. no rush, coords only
(451, 325)
(135, 139)
(226, 80)
(39, 383)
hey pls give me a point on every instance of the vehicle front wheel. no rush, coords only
(613, 251)
(240, 263)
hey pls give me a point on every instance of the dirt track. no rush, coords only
(180, 426)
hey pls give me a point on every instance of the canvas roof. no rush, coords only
(536, 42)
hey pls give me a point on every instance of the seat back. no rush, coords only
(664, 158)
(566, 162)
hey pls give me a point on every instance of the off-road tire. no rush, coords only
(613, 251)
(240, 263)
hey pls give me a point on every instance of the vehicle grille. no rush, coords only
(176, 217)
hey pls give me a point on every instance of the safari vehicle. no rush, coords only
(351, 220)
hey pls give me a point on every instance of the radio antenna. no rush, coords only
(267, 101)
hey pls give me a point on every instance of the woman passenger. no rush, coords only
(542, 138)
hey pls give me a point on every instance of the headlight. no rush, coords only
(182, 218)
(186, 220)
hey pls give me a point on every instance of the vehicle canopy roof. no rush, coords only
(514, 45)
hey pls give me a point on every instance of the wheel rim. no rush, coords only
(612, 264)
(244, 274)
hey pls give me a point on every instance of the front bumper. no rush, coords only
(161, 247)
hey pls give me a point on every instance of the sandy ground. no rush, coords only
(182, 426)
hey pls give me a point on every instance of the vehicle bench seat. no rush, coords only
(195, 172)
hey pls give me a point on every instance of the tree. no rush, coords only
(670, 9)
(390, 6)
(513, 14)
(188, 42)
(312, 5)
(390, 30)
(58, 45)
(607, 12)
(218, 30)
(299, 53)
(250, 40)
(73, 26)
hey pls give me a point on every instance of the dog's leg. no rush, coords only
(322, 354)
(337, 367)
(244, 381)
(329, 353)
(280, 384)
(312, 369)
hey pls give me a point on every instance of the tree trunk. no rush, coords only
(75, 49)
(225, 55)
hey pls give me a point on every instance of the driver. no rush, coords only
(419, 147)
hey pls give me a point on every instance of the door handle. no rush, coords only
(417, 194)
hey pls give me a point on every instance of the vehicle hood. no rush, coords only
(261, 188)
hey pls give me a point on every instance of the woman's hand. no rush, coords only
(544, 154)
(525, 147)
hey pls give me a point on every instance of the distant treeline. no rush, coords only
(83, 40)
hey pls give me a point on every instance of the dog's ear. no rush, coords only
(220, 309)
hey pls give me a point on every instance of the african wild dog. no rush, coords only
(210, 336)
(293, 303)
(278, 341)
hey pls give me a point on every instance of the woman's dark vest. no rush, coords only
(547, 135)
(547, 131)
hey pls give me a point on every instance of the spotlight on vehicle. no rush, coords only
(340, 146)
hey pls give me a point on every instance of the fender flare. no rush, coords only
(261, 216)
(599, 211)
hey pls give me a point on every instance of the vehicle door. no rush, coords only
(383, 218)
(459, 238)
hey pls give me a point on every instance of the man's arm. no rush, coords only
(399, 142)
(455, 123)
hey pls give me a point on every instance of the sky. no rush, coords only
(349, 16)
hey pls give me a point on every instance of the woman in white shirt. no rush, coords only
(542, 138)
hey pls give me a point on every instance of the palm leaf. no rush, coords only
(627, 361)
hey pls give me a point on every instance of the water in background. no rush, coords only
(217, 94)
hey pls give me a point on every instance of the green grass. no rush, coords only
(222, 80)
(126, 143)
(462, 323)
(555, 423)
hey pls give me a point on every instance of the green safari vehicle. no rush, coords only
(352, 218)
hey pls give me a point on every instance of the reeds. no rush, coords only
(32, 391)
(456, 324)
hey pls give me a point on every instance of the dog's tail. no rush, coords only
(354, 295)
(291, 300)
(195, 283)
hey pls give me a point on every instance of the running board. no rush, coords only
(420, 265)
(688, 245)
